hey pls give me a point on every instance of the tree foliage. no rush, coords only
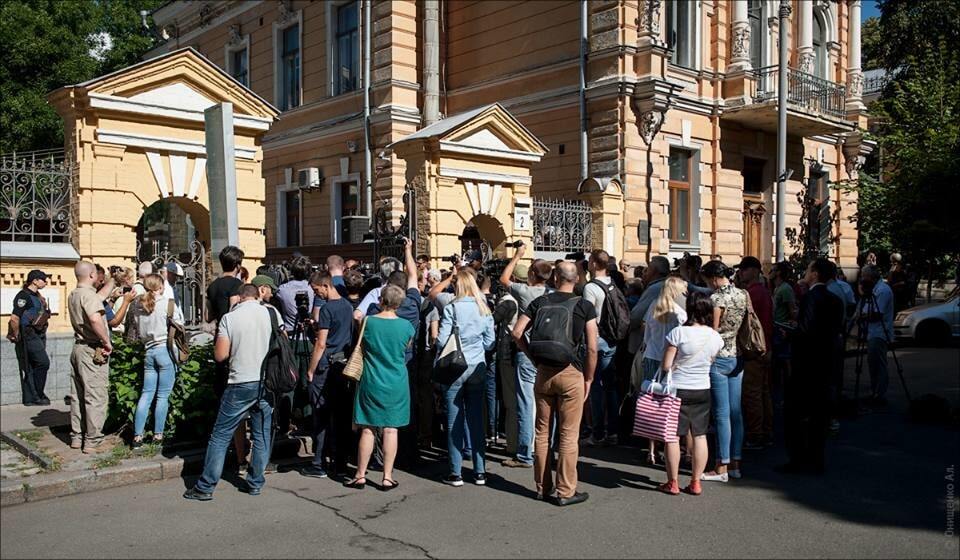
(48, 44)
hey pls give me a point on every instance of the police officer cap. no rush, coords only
(37, 275)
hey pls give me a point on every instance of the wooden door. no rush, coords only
(753, 212)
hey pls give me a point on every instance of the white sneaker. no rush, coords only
(735, 473)
(724, 477)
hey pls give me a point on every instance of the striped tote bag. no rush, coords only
(657, 414)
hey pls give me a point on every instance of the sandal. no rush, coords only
(671, 487)
(385, 487)
(157, 438)
(694, 488)
(356, 484)
(137, 442)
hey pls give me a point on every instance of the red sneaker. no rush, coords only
(671, 487)
(694, 488)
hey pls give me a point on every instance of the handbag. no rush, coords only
(750, 338)
(354, 367)
(451, 363)
(657, 414)
(177, 344)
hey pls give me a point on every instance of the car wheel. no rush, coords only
(933, 333)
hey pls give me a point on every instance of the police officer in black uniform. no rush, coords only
(28, 331)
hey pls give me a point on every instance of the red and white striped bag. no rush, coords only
(657, 414)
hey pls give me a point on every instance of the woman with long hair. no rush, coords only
(149, 321)
(464, 397)
(726, 374)
(383, 393)
(689, 355)
(664, 315)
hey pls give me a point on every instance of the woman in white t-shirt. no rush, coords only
(662, 317)
(690, 352)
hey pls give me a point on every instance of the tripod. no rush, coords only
(863, 330)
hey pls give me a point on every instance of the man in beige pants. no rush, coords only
(89, 379)
(560, 324)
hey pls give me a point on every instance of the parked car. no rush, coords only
(931, 323)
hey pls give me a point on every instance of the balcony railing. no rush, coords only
(804, 91)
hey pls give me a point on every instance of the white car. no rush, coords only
(932, 323)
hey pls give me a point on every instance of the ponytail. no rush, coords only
(152, 283)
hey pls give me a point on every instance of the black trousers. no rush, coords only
(34, 365)
(331, 401)
(806, 415)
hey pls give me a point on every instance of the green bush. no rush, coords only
(193, 403)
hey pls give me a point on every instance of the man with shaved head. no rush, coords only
(561, 325)
(88, 361)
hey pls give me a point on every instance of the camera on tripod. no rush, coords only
(302, 300)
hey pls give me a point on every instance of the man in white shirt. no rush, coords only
(604, 404)
(243, 339)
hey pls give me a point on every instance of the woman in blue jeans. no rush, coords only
(464, 397)
(726, 374)
(148, 323)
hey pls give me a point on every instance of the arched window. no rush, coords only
(820, 57)
(682, 32)
(757, 16)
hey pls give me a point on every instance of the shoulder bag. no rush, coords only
(451, 363)
(658, 413)
(354, 367)
(176, 337)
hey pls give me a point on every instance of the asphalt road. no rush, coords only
(885, 495)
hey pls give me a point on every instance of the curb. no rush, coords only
(57, 485)
(25, 448)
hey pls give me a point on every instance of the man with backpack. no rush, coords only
(613, 324)
(244, 339)
(560, 324)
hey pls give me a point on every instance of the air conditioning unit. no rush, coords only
(309, 178)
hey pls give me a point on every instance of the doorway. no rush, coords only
(754, 209)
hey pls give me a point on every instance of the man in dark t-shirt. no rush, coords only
(561, 390)
(329, 391)
(28, 331)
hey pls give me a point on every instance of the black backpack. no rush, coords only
(551, 337)
(614, 318)
(279, 373)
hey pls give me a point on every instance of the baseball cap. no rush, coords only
(750, 262)
(175, 268)
(521, 271)
(264, 280)
(37, 275)
(474, 255)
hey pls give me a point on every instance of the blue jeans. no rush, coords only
(603, 392)
(725, 390)
(464, 400)
(490, 392)
(238, 399)
(159, 374)
(526, 407)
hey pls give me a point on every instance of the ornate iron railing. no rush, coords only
(875, 84)
(562, 225)
(191, 288)
(37, 197)
(804, 91)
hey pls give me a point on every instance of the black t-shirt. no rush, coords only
(219, 293)
(582, 313)
(27, 306)
(336, 317)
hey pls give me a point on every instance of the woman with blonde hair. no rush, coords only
(148, 321)
(464, 397)
(664, 315)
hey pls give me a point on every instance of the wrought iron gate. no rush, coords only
(562, 226)
(37, 197)
(388, 240)
(191, 289)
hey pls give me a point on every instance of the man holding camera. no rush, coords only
(27, 330)
(875, 314)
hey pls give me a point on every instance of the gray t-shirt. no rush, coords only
(248, 328)
(525, 294)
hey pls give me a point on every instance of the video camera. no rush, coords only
(302, 301)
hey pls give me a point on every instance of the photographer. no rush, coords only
(388, 265)
(875, 314)
(295, 299)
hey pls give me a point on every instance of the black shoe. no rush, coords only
(314, 471)
(194, 494)
(249, 490)
(453, 480)
(480, 479)
(270, 468)
(43, 401)
(577, 498)
(34, 403)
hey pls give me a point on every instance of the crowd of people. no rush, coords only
(535, 359)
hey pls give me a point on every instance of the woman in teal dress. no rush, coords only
(383, 394)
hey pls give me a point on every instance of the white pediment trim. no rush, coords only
(484, 177)
(140, 107)
(158, 143)
(506, 153)
(177, 94)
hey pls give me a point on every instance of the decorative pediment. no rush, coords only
(175, 94)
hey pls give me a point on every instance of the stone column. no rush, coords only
(805, 56)
(854, 72)
(740, 38)
(221, 179)
(651, 23)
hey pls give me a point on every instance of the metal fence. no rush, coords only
(564, 226)
(37, 197)
(805, 91)
(191, 288)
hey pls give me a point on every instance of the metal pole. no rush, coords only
(367, 91)
(782, 130)
(584, 168)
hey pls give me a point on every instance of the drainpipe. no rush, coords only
(583, 90)
(783, 13)
(431, 61)
(367, 91)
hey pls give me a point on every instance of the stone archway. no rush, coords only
(492, 233)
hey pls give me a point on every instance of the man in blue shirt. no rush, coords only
(329, 392)
(875, 312)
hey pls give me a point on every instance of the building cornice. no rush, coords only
(126, 105)
(187, 24)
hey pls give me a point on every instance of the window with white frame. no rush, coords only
(346, 47)
(289, 216)
(345, 202)
(821, 55)
(682, 32)
(287, 61)
(680, 185)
